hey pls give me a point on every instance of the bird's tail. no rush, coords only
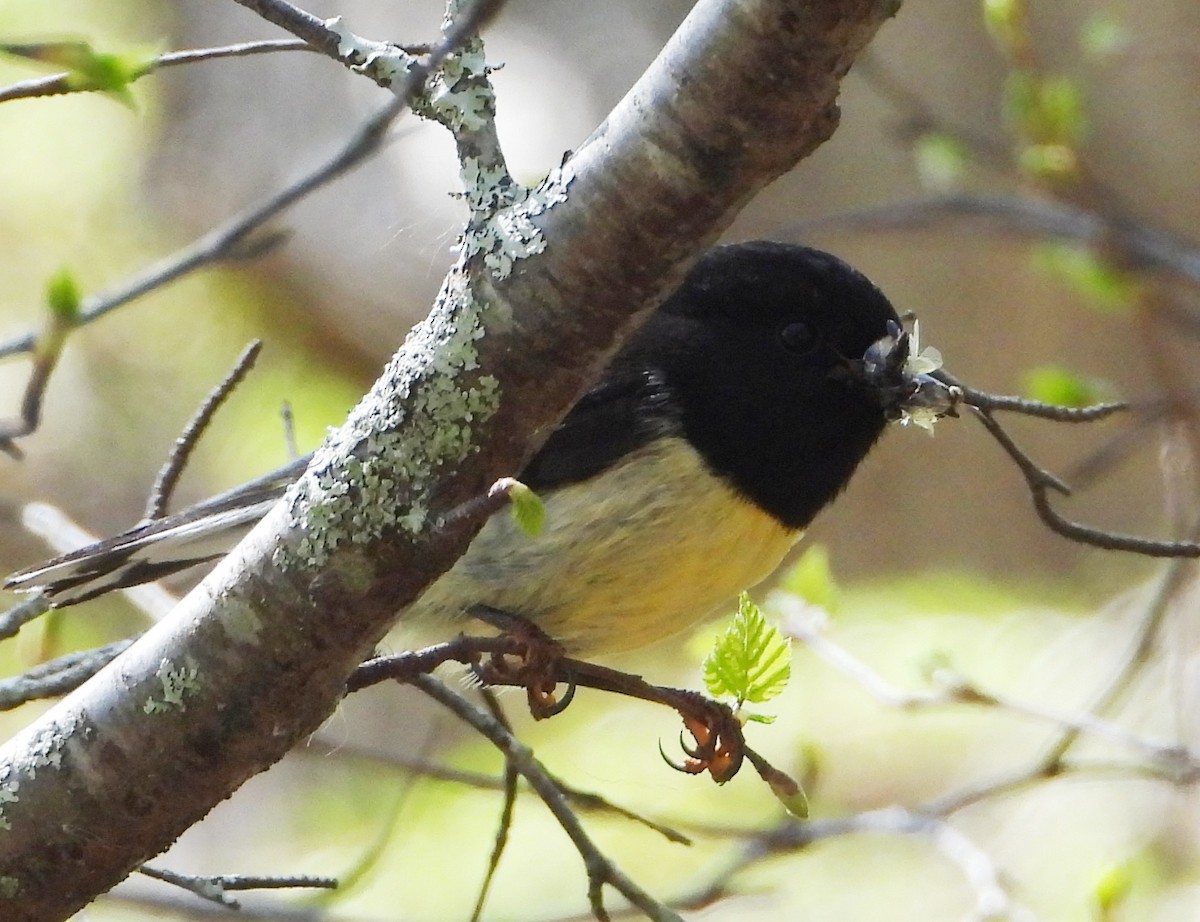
(156, 548)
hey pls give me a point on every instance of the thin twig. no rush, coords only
(21, 614)
(181, 451)
(1168, 585)
(587, 801)
(220, 243)
(600, 870)
(59, 84)
(503, 828)
(1040, 482)
(58, 676)
(1148, 247)
(954, 689)
(982, 400)
(509, 784)
(217, 888)
(304, 25)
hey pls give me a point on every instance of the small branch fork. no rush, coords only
(217, 889)
(1042, 482)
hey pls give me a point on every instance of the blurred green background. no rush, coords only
(936, 549)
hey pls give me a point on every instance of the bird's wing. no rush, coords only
(618, 415)
(157, 548)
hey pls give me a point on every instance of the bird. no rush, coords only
(685, 474)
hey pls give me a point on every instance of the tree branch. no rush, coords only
(257, 656)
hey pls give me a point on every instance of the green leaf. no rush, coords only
(811, 579)
(1104, 286)
(1058, 385)
(527, 509)
(750, 660)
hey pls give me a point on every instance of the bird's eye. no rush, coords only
(798, 337)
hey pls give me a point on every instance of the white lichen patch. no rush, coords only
(510, 234)
(370, 476)
(46, 749)
(458, 94)
(380, 61)
(178, 684)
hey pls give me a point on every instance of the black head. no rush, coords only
(757, 353)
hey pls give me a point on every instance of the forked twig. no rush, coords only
(181, 451)
(1041, 481)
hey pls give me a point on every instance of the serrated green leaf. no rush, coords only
(1058, 385)
(811, 579)
(527, 509)
(1104, 286)
(750, 660)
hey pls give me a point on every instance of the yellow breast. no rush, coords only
(645, 550)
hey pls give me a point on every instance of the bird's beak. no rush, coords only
(902, 377)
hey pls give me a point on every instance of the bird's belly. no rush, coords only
(644, 550)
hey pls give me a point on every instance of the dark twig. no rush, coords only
(317, 33)
(588, 801)
(1146, 247)
(216, 889)
(720, 746)
(225, 242)
(58, 84)
(1169, 584)
(47, 347)
(1040, 482)
(21, 614)
(510, 781)
(230, 240)
(181, 451)
(982, 400)
(600, 870)
(309, 28)
(58, 676)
